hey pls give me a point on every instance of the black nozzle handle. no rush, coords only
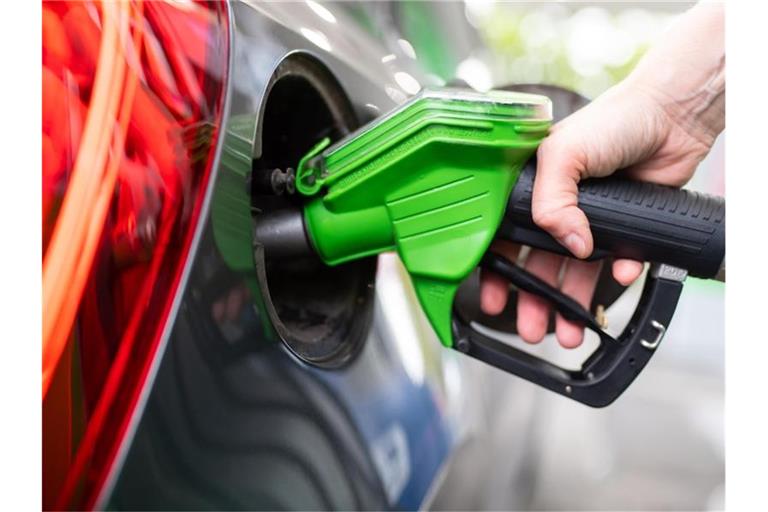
(631, 219)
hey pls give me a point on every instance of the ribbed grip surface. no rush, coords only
(630, 219)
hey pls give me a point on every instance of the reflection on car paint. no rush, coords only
(236, 421)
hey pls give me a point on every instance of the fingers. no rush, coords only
(578, 283)
(533, 311)
(494, 289)
(554, 204)
(626, 271)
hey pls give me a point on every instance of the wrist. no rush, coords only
(699, 111)
(685, 73)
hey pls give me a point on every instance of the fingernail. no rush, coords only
(575, 244)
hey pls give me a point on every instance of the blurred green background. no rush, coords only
(585, 47)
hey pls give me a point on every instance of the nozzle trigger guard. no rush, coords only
(612, 367)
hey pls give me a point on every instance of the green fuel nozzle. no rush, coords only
(430, 180)
(446, 173)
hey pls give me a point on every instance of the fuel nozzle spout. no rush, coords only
(282, 234)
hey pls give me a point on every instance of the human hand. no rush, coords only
(654, 127)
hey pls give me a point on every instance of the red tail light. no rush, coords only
(132, 102)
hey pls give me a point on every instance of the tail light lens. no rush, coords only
(132, 102)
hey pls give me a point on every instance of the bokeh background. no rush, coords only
(661, 446)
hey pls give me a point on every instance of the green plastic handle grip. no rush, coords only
(429, 180)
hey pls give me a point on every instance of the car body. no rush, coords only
(269, 385)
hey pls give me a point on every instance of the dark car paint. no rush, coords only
(232, 419)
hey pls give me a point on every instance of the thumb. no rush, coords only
(554, 205)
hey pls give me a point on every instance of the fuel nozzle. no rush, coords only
(447, 172)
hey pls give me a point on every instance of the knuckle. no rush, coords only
(547, 146)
